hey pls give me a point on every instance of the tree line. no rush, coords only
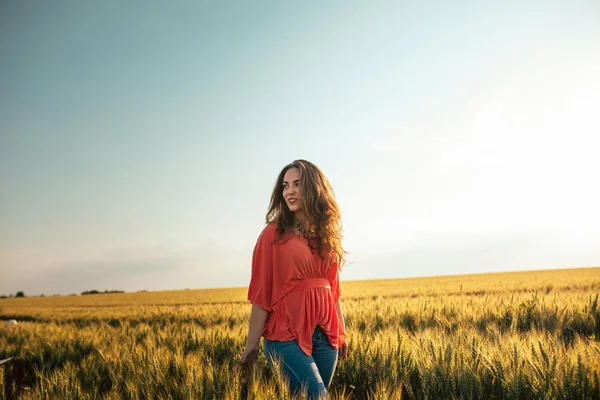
(22, 294)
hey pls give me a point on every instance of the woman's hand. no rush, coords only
(247, 360)
(258, 318)
(343, 351)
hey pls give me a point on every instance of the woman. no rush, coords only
(295, 288)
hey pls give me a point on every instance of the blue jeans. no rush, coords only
(314, 371)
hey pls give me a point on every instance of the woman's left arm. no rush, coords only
(338, 307)
(343, 351)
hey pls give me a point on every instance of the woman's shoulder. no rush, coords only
(269, 231)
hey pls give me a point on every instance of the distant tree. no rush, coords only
(99, 292)
(3, 296)
(20, 294)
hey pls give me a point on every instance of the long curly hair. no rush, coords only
(319, 206)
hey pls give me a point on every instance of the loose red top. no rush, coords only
(298, 288)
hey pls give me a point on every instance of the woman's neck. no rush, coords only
(301, 220)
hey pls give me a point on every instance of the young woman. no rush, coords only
(295, 287)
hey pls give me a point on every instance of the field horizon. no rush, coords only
(353, 288)
(349, 283)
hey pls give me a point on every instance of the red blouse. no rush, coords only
(298, 288)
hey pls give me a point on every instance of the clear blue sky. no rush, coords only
(139, 141)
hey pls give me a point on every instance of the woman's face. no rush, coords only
(292, 192)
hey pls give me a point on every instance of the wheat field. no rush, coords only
(518, 335)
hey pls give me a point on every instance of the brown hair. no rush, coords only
(319, 205)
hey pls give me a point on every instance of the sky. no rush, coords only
(140, 140)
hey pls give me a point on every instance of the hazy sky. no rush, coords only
(140, 141)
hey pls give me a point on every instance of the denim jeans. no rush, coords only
(313, 372)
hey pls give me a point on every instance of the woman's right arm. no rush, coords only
(259, 294)
(258, 318)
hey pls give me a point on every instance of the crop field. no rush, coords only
(519, 335)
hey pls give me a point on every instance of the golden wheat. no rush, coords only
(512, 335)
